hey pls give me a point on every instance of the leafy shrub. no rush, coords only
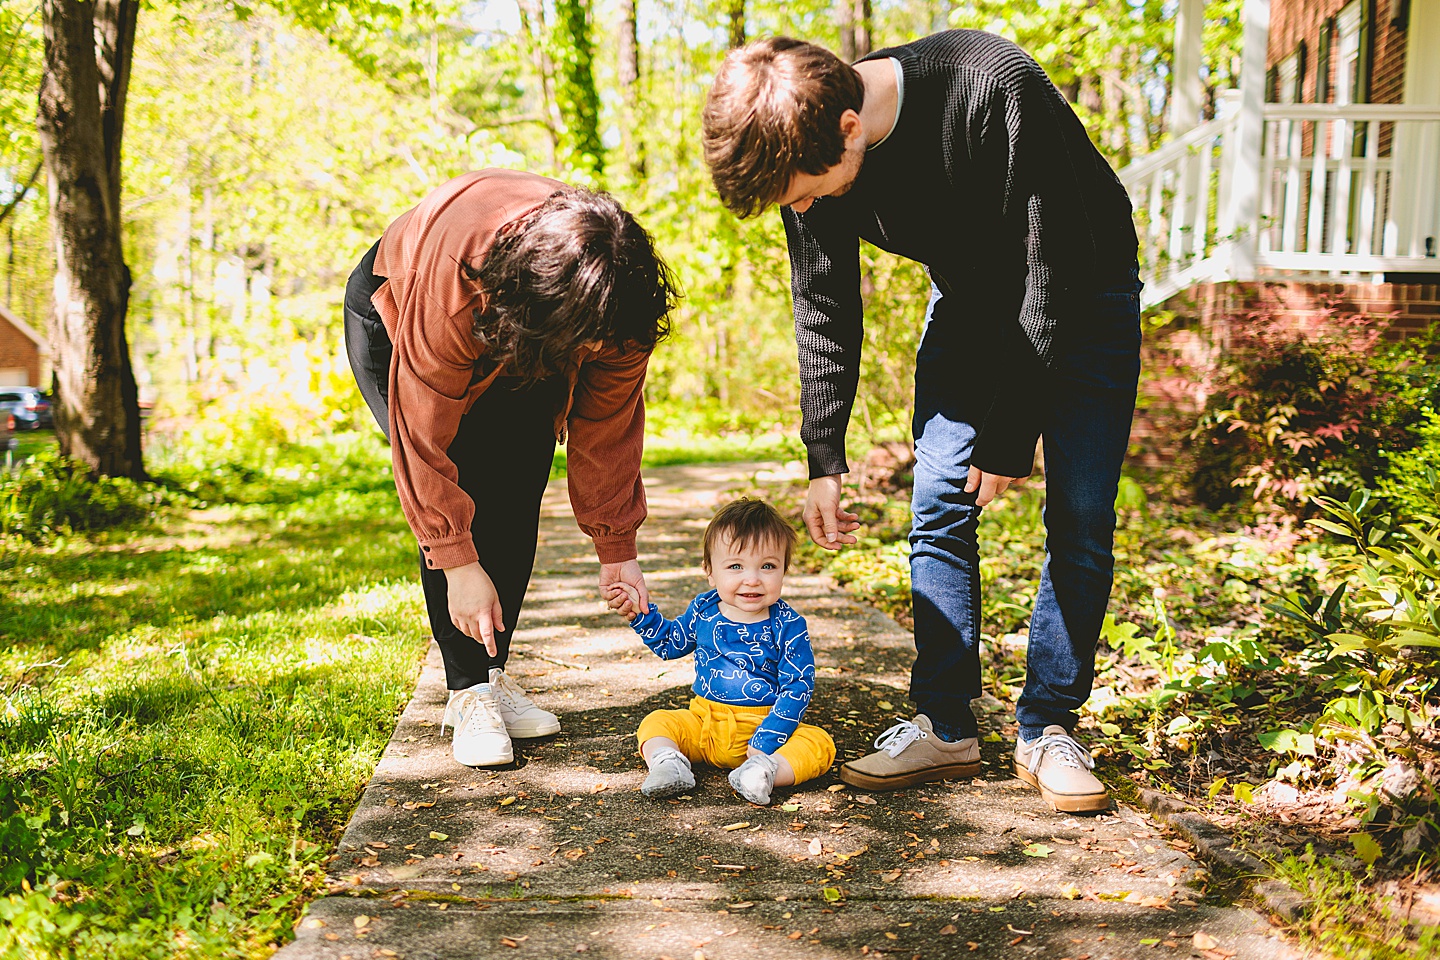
(49, 495)
(1302, 410)
(1410, 472)
(1378, 639)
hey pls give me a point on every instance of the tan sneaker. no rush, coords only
(1057, 764)
(910, 753)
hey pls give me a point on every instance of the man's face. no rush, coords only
(806, 188)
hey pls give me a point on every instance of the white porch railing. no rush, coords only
(1344, 192)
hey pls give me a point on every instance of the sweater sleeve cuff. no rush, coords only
(1006, 445)
(443, 553)
(768, 741)
(826, 460)
(616, 549)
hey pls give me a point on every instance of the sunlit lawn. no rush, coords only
(191, 712)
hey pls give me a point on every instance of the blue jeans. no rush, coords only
(1086, 430)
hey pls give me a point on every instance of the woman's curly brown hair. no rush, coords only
(575, 270)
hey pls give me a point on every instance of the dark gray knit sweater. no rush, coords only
(990, 180)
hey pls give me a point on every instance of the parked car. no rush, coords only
(29, 405)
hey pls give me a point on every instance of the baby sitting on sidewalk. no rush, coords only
(754, 670)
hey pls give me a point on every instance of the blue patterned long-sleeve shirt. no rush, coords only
(764, 664)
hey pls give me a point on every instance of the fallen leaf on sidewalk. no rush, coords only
(361, 922)
(814, 847)
(437, 835)
(513, 941)
(736, 826)
(835, 787)
(1070, 891)
(869, 801)
(1038, 850)
(949, 929)
(507, 801)
(890, 877)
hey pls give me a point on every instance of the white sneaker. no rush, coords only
(480, 739)
(523, 719)
(1060, 766)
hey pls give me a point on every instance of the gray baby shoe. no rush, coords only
(755, 778)
(670, 774)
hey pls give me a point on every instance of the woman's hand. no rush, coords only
(830, 526)
(612, 575)
(474, 604)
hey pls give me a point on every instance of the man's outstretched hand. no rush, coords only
(630, 603)
(987, 486)
(830, 526)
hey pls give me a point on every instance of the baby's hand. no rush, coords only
(625, 600)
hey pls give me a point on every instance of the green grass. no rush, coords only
(190, 712)
(30, 442)
(680, 449)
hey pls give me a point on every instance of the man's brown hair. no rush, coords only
(774, 112)
(747, 523)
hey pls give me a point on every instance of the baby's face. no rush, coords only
(748, 580)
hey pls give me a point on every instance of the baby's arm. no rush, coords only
(668, 639)
(796, 680)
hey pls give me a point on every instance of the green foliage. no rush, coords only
(1347, 917)
(47, 496)
(575, 91)
(188, 721)
(1410, 474)
(1297, 413)
(1377, 633)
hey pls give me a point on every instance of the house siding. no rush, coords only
(19, 352)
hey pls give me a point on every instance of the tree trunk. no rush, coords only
(855, 29)
(737, 23)
(629, 75)
(88, 47)
(532, 22)
(579, 101)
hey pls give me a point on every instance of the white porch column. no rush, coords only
(1186, 88)
(1416, 208)
(1240, 221)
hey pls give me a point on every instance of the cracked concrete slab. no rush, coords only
(559, 850)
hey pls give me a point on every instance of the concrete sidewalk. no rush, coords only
(559, 854)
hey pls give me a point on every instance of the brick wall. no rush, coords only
(19, 351)
(1293, 21)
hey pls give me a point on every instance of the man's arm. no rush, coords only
(825, 286)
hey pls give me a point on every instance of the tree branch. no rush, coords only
(9, 208)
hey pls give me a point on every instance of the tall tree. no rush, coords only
(579, 101)
(856, 29)
(629, 76)
(88, 48)
(737, 22)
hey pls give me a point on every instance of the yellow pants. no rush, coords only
(719, 734)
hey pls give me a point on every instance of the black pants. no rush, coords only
(503, 451)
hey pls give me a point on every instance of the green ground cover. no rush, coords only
(191, 708)
(1235, 671)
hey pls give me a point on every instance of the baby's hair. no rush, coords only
(746, 523)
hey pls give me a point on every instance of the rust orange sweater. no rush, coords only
(427, 306)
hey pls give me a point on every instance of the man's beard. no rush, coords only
(856, 157)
